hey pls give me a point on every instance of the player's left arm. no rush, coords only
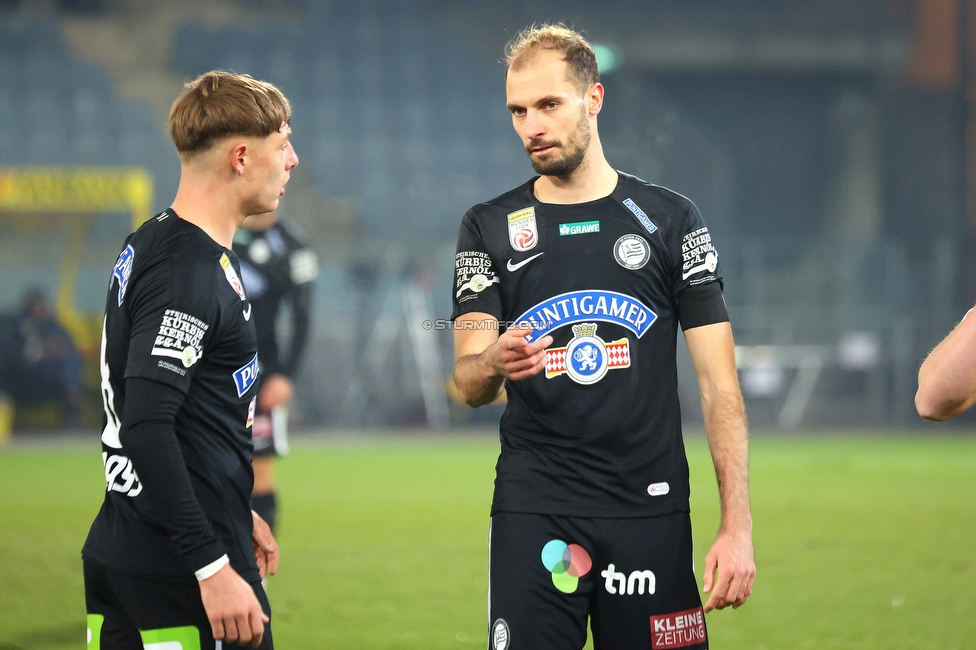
(730, 566)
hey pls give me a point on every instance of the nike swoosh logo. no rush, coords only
(247, 313)
(516, 267)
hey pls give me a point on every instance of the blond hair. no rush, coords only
(579, 56)
(220, 104)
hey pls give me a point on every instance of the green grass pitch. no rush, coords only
(861, 542)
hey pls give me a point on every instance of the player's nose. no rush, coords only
(533, 126)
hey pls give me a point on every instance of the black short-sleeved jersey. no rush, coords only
(598, 433)
(177, 313)
(276, 267)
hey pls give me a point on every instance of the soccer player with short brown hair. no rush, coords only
(175, 555)
(584, 275)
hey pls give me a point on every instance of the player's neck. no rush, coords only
(592, 180)
(215, 210)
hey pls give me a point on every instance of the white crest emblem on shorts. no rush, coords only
(587, 358)
(500, 638)
(631, 252)
(523, 234)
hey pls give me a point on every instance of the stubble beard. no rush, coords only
(565, 165)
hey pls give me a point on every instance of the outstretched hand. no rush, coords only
(730, 570)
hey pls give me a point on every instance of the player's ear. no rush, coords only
(594, 98)
(238, 157)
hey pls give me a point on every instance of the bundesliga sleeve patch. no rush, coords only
(523, 233)
(123, 271)
(231, 275)
(698, 255)
(180, 336)
(473, 273)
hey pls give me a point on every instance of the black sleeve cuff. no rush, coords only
(703, 304)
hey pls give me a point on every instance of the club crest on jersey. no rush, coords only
(631, 252)
(587, 357)
(231, 275)
(245, 376)
(123, 270)
(523, 234)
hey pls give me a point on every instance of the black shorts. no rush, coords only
(125, 611)
(633, 578)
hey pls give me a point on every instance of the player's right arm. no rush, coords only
(169, 295)
(947, 378)
(148, 434)
(483, 359)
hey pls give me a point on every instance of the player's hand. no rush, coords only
(515, 358)
(730, 569)
(265, 548)
(233, 610)
(277, 390)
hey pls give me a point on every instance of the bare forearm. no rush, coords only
(728, 441)
(947, 378)
(477, 382)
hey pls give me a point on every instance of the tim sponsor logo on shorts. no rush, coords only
(620, 583)
(678, 630)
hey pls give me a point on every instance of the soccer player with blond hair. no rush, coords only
(175, 556)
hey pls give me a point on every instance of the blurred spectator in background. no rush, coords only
(947, 378)
(40, 363)
(277, 269)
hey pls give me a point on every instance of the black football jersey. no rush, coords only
(177, 313)
(277, 268)
(598, 432)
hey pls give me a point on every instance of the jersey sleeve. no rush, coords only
(172, 314)
(697, 287)
(149, 435)
(475, 287)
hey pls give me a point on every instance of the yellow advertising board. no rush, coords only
(77, 189)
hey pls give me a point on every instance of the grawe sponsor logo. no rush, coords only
(678, 630)
(578, 228)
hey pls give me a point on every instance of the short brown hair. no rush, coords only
(579, 56)
(220, 104)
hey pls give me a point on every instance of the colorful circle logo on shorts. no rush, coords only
(567, 562)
